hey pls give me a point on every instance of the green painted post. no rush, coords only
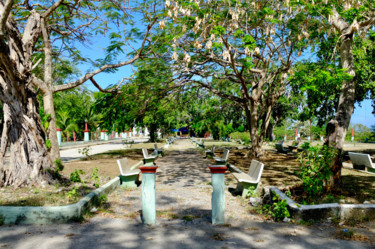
(218, 193)
(148, 194)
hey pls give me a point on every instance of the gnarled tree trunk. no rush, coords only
(29, 162)
(337, 129)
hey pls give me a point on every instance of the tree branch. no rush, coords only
(5, 9)
(52, 8)
(89, 75)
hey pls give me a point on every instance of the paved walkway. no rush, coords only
(183, 210)
(73, 153)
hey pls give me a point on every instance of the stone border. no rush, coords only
(356, 212)
(57, 214)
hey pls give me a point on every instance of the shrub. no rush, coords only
(315, 168)
(244, 136)
(75, 176)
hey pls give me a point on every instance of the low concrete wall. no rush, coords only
(59, 214)
(323, 211)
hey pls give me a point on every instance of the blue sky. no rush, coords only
(363, 115)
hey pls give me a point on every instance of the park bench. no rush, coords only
(129, 175)
(148, 158)
(252, 178)
(158, 151)
(294, 145)
(210, 153)
(201, 144)
(362, 161)
(223, 159)
(281, 149)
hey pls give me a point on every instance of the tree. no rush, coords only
(25, 31)
(348, 19)
(242, 50)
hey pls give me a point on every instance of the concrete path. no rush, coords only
(73, 153)
(183, 218)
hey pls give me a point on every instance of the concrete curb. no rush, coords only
(58, 214)
(344, 212)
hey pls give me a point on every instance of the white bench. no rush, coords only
(281, 149)
(210, 153)
(223, 159)
(129, 175)
(158, 152)
(252, 178)
(148, 158)
(362, 161)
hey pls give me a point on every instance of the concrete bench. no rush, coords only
(210, 153)
(293, 146)
(129, 175)
(201, 144)
(148, 158)
(362, 161)
(223, 159)
(157, 151)
(252, 178)
(281, 149)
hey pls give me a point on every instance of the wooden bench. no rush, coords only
(223, 159)
(148, 158)
(362, 161)
(210, 153)
(252, 178)
(129, 175)
(158, 151)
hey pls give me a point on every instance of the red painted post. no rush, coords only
(74, 136)
(67, 136)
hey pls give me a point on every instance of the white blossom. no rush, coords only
(209, 45)
(257, 51)
(167, 3)
(174, 56)
(162, 24)
(187, 58)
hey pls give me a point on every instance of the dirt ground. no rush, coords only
(183, 184)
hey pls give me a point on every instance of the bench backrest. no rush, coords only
(256, 169)
(145, 152)
(361, 159)
(279, 147)
(295, 143)
(225, 155)
(123, 165)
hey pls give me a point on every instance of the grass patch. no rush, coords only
(167, 214)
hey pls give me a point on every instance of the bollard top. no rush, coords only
(217, 169)
(148, 169)
(58, 129)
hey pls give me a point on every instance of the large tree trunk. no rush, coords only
(51, 131)
(29, 161)
(252, 122)
(337, 131)
(153, 131)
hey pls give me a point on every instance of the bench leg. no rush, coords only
(246, 186)
(209, 155)
(129, 181)
(148, 161)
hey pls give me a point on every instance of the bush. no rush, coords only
(244, 136)
(315, 168)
